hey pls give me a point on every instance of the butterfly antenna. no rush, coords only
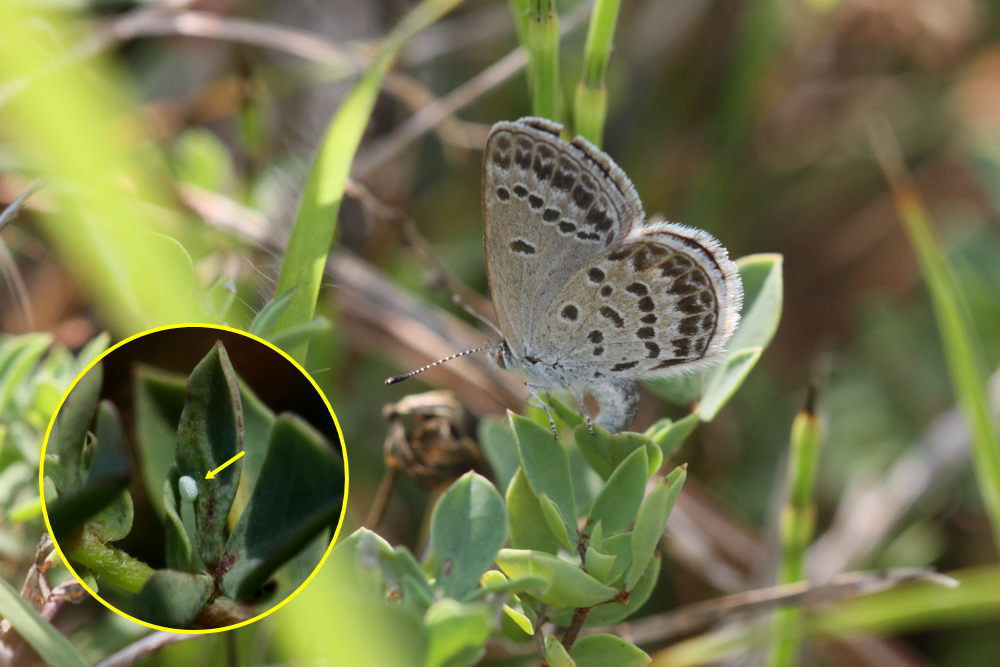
(399, 378)
(464, 305)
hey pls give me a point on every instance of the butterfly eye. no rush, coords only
(533, 360)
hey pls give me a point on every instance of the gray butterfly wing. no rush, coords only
(549, 208)
(664, 301)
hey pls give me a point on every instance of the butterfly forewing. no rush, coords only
(549, 207)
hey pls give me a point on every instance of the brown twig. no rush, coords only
(381, 502)
(700, 616)
(142, 648)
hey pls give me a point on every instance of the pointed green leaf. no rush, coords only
(300, 334)
(173, 599)
(17, 357)
(555, 521)
(570, 586)
(210, 433)
(494, 581)
(107, 476)
(724, 383)
(468, 527)
(546, 465)
(263, 324)
(528, 526)
(621, 496)
(180, 552)
(298, 496)
(500, 449)
(670, 435)
(601, 650)
(599, 565)
(555, 654)
(70, 429)
(651, 521)
(619, 546)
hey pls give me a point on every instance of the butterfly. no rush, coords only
(589, 296)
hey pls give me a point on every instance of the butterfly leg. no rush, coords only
(535, 400)
(582, 407)
(619, 402)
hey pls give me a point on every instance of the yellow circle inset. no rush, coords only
(270, 378)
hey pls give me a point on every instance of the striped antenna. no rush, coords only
(399, 378)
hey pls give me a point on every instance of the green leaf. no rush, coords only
(619, 546)
(601, 650)
(319, 204)
(555, 521)
(615, 612)
(264, 322)
(604, 451)
(299, 494)
(17, 358)
(159, 401)
(651, 521)
(93, 349)
(457, 632)
(622, 494)
(546, 465)
(762, 301)
(555, 654)
(180, 552)
(173, 599)
(70, 429)
(570, 586)
(599, 565)
(670, 435)
(724, 383)
(299, 334)
(528, 527)
(468, 527)
(108, 475)
(500, 449)
(494, 581)
(51, 645)
(210, 433)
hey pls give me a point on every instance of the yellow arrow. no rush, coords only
(212, 473)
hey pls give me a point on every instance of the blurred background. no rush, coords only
(746, 118)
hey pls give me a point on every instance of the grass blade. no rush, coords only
(315, 223)
(962, 351)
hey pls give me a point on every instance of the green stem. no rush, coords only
(111, 564)
(538, 28)
(797, 523)
(590, 105)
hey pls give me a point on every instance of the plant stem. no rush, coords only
(110, 563)
(591, 103)
(579, 616)
(797, 523)
(538, 28)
